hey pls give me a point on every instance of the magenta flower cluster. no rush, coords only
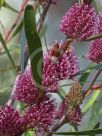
(40, 111)
(95, 51)
(65, 68)
(95, 48)
(79, 22)
(100, 23)
(11, 124)
(41, 115)
(24, 88)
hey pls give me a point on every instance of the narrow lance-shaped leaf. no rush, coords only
(18, 29)
(1, 3)
(96, 126)
(95, 112)
(88, 132)
(6, 50)
(96, 7)
(83, 78)
(91, 100)
(94, 37)
(30, 133)
(89, 69)
(24, 52)
(34, 45)
(6, 5)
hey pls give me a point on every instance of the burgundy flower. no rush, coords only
(100, 23)
(50, 81)
(41, 115)
(61, 109)
(64, 67)
(95, 51)
(67, 65)
(75, 95)
(79, 22)
(10, 122)
(24, 88)
(74, 115)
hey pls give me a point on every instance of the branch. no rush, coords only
(94, 88)
(16, 20)
(91, 83)
(60, 123)
(42, 18)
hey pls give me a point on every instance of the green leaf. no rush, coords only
(89, 69)
(97, 125)
(1, 3)
(30, 133)
(18, 29)
(94, 37)
(90, 118)
(83, 78)
(94, 116)
(4, 97)
(7, 51)
(34, 45)
(96, 7)
(91, 100)
(88, 132)
(6, 5)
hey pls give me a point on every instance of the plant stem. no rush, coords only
(60, 123)
(42, 18)
(7, 69)
(16, 20)
(95, 5)
(98, 36)
(91, 83)
(94, 88)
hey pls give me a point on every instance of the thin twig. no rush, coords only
(93, 80)
(16, 20)
(7, 69)
(94, 88)
(60, 123)
(2, 26)
(41, 21)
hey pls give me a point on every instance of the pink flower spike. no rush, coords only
(64, 68)
(100, 23)
(95, 51)
(24, 88)
(79, 22)
(10, 122)
(41, 115)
